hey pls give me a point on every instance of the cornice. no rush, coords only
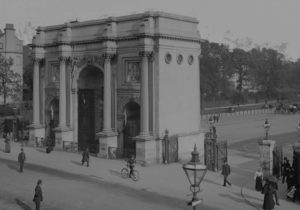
(124, 38)
(154, 14)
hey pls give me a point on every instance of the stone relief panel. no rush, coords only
(54, 73)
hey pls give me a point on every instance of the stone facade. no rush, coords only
(120, 81)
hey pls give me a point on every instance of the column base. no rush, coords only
(146, 150)
(266, 148)
(35, 130)
(62, 134)
(108, 143)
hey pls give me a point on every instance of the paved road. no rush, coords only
(74, 192)
(241, 128)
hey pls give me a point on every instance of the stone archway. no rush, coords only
(52, 121)
(90, 107)
(131, 127)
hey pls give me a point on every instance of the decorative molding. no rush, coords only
(168, 58)
(89, 60)
(145, 53)
(38, 60)
(64, 59)
(179, 59)
(190, 59)
(124, 38)
(108, 56)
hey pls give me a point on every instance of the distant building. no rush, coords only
(11, 46)
(119, 82)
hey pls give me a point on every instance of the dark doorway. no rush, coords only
(52, 122)
(131, 127)
(90, 108)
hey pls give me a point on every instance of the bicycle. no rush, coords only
(135, 176)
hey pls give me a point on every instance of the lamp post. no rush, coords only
(195, 173)
(267, 126)
(210, 124)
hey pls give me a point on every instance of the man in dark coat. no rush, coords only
(38, 195)
(85, 157)
(21, 159)
(285, 169)
(225, 172)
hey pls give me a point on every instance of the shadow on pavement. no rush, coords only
(76, 162)
(14, 167)
(41, 150)
(116, 173)
(23, 205)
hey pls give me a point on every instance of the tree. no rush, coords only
(240, 63)
(10, 81)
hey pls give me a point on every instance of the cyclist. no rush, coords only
(131, 163)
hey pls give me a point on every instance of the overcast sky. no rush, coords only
(273, 23)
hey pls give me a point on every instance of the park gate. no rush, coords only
(215, 153)
(277, 161)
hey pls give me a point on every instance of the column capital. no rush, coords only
(145, 53)
(108, 56)
(37, 60)
(64, 59)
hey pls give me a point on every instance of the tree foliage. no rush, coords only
(10, 81)
(259, 73)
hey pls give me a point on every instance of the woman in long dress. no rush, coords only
(268, 190)
(258, 177)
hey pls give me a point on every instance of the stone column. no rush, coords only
(75, 113)
(62, 92)
(36, 92)
(145, 94)
(266, 148)
(107, 94)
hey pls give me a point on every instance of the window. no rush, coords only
(1, 45)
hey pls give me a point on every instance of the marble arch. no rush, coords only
(137, 55)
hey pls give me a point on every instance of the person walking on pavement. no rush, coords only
(21, 159)
(225, 173)
(258, 177)
(268, 191)
(285, 168)
(38, 195)
(85, 157)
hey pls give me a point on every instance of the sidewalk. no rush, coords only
(168, 180)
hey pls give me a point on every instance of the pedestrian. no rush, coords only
(38, 195)
(21, 159)
(131, 162)
(285, 168)
(7, 144)
(268, 191)
(85, 157)
(258, 177)
(226, 172)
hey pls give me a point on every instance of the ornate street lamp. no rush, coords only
(195, 173)
(210, 124)
(267, 126)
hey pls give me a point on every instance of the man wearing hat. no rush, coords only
(38, 195)
(21, 159)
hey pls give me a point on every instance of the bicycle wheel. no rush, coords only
(135, 175)
(125, 173)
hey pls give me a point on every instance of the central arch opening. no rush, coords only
(90, 108)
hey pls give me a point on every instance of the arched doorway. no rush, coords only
(131, 127)
(52, 121)
(90, 108)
